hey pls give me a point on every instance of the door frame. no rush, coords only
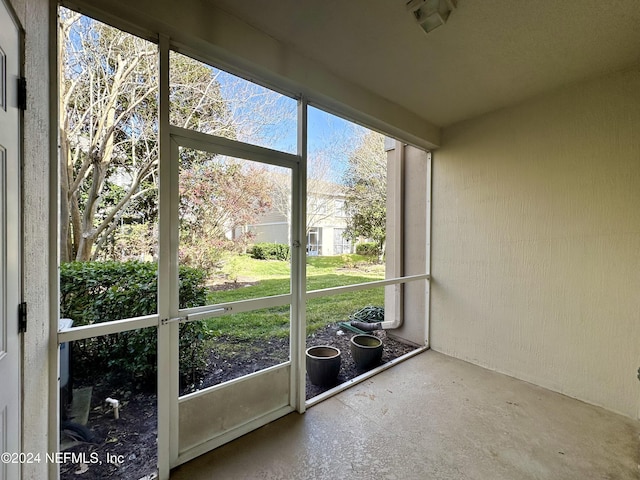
(168, 394)
(12, 249)
(274, 402)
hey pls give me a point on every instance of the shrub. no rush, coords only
(368, 249)
(95, 292)
(270, 251)
(204, 254)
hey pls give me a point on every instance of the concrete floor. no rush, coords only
(434, 417)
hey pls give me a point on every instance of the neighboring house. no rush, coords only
(326, 221)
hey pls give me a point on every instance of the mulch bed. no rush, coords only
(125, 448)
(336, 337)
(131, 441)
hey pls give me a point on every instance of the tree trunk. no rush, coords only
(65, 246)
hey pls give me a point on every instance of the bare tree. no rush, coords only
(366, 191)
(322, 193)
(109, 126)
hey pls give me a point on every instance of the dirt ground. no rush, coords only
(336, 337)
(125, 449)
(121, 449)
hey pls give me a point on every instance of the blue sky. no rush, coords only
(331, 138)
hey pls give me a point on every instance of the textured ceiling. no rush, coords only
(490, 54)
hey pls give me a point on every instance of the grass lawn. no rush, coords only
(273, 279)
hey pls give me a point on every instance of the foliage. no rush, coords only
(136, 241)
(368, 314)
(217, 196)
(368, 249)
(366, 195)
(95, 292)
(348, 261)
(202, 254)
(196, 98)
(270, 251)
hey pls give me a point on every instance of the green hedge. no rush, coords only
(368, 249)
(270, 251)
(95, 292)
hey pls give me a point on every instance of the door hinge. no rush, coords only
(22, 93)
(22, 317)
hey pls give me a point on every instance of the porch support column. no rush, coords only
(408, 239)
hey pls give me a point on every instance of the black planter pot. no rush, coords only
(323, 365)
(366, 351)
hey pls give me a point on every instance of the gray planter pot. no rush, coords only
(366, 351)
(323, 365)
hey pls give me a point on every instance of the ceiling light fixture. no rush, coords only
(431, 14)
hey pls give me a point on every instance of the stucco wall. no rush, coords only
(536, 241)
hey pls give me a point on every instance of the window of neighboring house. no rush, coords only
(321, 205)
(314, 242)
(317, 208)
(340, 243)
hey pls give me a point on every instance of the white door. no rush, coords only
(9, 242)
